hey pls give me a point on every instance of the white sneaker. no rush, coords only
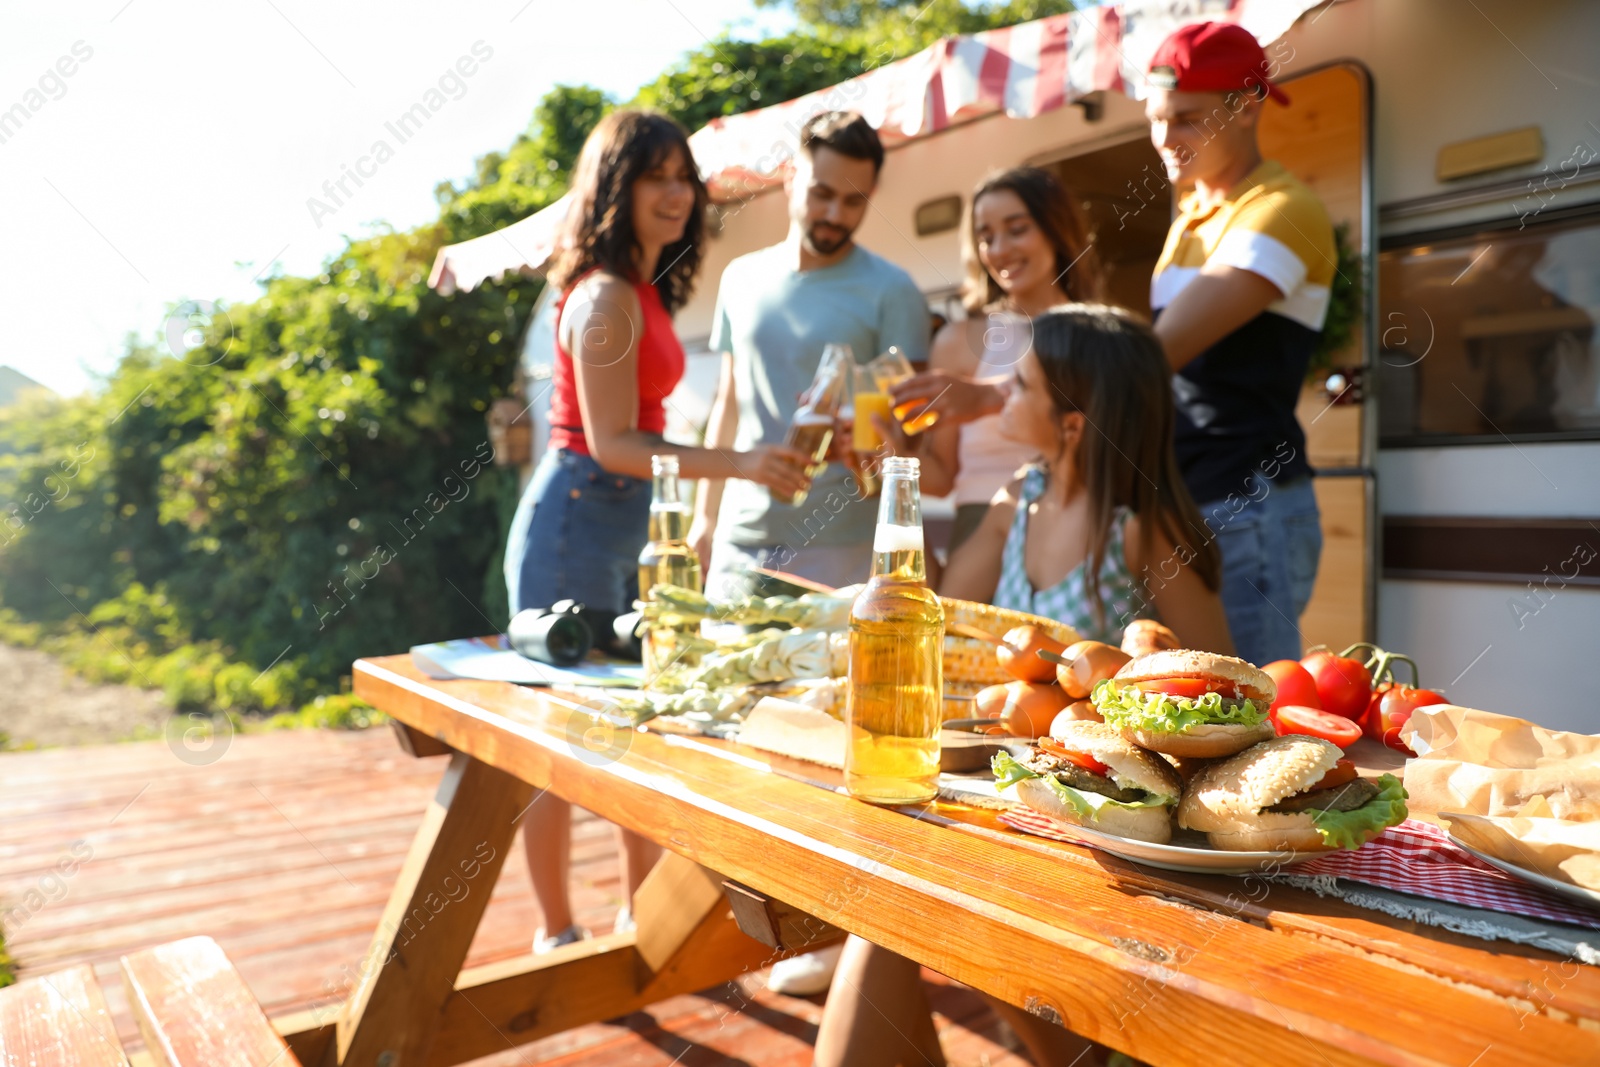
(807, 975)
(543, 942)
(625, 921)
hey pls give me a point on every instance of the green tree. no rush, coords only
(899, 29)
(729, 76)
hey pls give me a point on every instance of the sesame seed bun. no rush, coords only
(1206, 741)
(1248, 681)
(1142, 824)
(1130, 765)
(1226, 799)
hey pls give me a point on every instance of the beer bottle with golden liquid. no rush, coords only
(668, 558)
(811, 429)
(896, 695)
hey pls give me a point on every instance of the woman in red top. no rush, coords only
(628, 258)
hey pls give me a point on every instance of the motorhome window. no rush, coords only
(1491, 338)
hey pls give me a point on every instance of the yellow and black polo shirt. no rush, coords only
(1236, 400)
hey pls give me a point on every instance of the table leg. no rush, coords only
(415, 957)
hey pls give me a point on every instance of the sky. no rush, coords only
(166, 151)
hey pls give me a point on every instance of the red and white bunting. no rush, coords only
(1023, 70)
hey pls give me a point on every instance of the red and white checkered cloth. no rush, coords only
(1415, 857)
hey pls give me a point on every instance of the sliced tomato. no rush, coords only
(1082, 759)
(1343, 771)
(1191, 688)
(1313, 723)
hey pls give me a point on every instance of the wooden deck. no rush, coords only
(284, 850)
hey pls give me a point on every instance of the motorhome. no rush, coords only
(1457, 435)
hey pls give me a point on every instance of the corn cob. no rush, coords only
(998, 621)
(814, 611)
(968, 660)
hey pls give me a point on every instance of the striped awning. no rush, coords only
(1023, 71)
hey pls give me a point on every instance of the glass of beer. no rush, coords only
(866, 441)
(889, 370)
(895, 703)
(811, 429)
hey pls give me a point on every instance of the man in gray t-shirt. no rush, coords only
(776, 310)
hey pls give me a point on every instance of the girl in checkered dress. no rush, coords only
(1102, 531)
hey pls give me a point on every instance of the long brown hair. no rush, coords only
(598, 231)
(1107, 364)
(1058, 218)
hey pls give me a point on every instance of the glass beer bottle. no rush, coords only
(896, 699)
(668, 558)
(811, 429)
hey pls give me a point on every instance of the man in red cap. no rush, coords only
(1240, 294)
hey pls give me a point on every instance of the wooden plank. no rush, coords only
(58, 1020)
(413, 742)
(673, 899)
(1163, 980)
(309, 1033)
(776, 924)
(522, 1000)
(416, 954)
(195, 1011)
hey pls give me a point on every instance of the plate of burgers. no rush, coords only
(1247, 800)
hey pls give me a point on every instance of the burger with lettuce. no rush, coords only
(1292, 792)
(1186, 703)
(1088, 774)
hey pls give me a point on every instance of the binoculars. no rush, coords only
(562, 634)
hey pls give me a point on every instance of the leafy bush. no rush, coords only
(306, 478)
(341, 712)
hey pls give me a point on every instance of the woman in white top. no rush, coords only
(1025, 251)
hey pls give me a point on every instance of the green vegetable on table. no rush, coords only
(675, 605)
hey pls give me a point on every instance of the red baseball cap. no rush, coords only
(1212, 57)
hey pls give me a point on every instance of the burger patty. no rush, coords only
(1347, 797)
(1070, 774)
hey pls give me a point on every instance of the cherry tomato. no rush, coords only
(1178, 687)
(1343, 685)
(1295, 684)
(1082, 759)
(1394, 711)
(1312, 722)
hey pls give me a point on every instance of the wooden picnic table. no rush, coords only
(1170, 968)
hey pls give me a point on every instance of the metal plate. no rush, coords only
(1587, 897)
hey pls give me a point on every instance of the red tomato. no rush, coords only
(1295, 684)
(1394, 710)
(1082, 759)
(1343, 771)
(1370, 719)
(1343, 685)
(1178, 687)
(1315, 723)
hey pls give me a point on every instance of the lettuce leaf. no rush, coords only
(1352, 829)
(1008, 772)
(1133, 708)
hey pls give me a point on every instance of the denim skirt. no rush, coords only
(577, 535)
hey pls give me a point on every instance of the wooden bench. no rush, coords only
(58, 1020)
(195, 1011)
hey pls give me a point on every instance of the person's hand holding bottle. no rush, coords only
(778, 467)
